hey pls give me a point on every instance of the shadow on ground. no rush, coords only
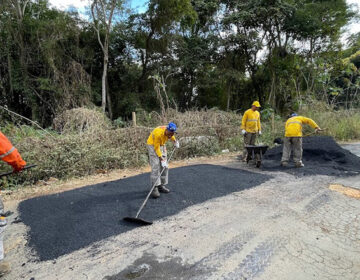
(62, 223)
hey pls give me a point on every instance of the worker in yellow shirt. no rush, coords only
(158, 157)
(250, 126)
(293, 138)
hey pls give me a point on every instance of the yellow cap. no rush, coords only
(256, 103)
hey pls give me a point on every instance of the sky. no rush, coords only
(140, 6)
(354, 27)
(80, 5)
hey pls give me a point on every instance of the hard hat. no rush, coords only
(292, 115)
(256, 104)
(171, 127)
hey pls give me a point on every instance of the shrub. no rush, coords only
(89, 144)
(81, 120)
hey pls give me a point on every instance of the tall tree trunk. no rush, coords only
(103, 82)
(108, 99)
(10, 73)
(99, 14)
(228, 98)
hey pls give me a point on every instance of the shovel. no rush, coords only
(280, 141)
(136, 219)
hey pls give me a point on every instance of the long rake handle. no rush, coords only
(12, 172)
(152, 188)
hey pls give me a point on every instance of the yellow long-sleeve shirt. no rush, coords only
(294, 125)
(251, 121)
(158, 138)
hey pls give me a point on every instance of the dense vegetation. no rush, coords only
(199, 63)
(181, 54)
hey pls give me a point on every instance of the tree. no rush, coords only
(102, 12)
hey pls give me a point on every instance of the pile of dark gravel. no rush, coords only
(321, 156)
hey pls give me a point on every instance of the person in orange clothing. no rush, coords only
(158, 157)
(11, 156)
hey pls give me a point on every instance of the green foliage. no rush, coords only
(213, 54)
(119, 122)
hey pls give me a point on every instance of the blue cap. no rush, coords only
(171, 127)
(293, 115)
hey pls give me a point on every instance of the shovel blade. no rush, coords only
(138, 221)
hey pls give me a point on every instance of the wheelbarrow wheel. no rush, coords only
(258, 163)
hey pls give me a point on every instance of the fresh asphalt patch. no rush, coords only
(321, 156)
(62, 223)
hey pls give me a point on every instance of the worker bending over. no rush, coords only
(250, 126)
(293, 138)
(11, 156)
(158, 157)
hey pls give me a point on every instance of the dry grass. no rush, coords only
(80, 120)
(89, 145)
(343, 125)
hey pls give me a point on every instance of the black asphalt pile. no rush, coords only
(321, 156)
(62, 223)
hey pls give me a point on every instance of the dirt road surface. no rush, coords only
(257, 225)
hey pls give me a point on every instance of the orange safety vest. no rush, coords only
(10, 154)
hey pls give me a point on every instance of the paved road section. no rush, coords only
(61, 223)
(354, 148)
(287, 227)
(281, 230)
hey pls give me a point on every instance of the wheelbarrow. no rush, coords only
(255, 153)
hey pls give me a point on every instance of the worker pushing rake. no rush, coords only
(159, 163)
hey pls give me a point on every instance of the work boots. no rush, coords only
(4, 268)
(155, 193)
(163, 189)
(157, 190)
(299, 164)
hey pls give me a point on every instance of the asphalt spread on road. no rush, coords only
(62, 223)
(321, 156)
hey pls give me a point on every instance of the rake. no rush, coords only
(136, 219)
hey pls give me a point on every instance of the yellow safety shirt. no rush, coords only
(158, 138)
(251, 121)
(294, 125)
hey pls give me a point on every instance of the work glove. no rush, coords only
(243, 132)
(177, 144)
(17, 167)
(260, 132)
(164, 164)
